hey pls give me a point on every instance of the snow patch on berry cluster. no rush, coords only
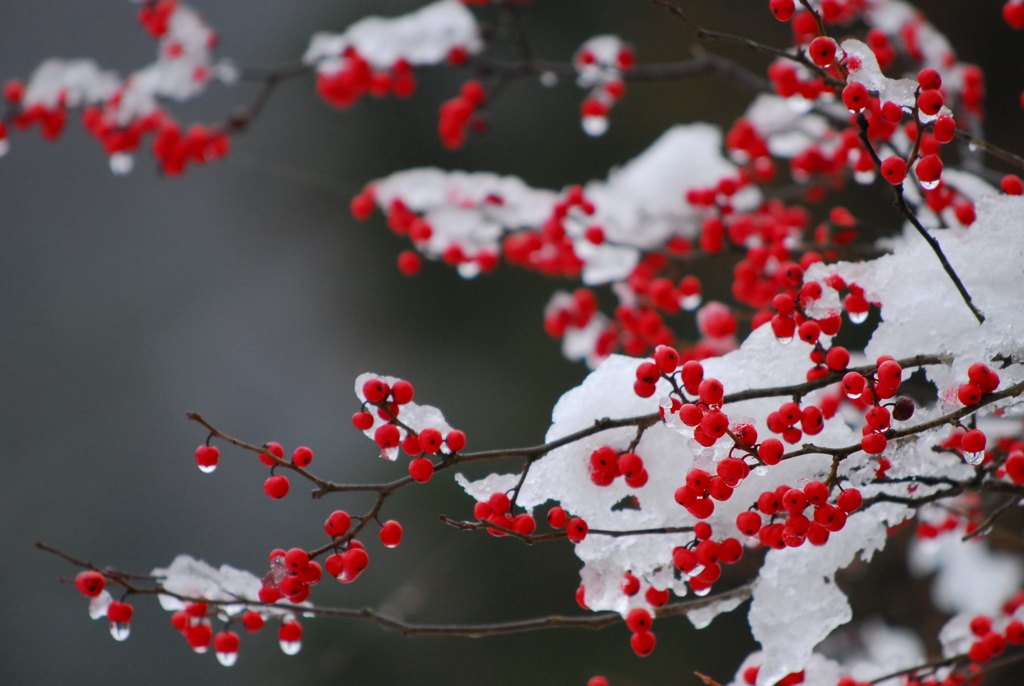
(922, 311)
(424, 37)
(194, 578)
(413, 415)
(640, 206)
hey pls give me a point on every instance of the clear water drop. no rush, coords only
(595, 126)
(122, 163)
(864, 178)
(930, 185)
(208, 469)
(702, 591)
(974, 459)
(549, 79)
(784, 340)
(199, 650)
(690, 302)
(972, 146)
(290, 647)
(5, 147)
(858, 317)
(854, 396)
(120, 630)
(227, 659)
(760, 470)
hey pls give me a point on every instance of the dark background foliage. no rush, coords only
(245, 291)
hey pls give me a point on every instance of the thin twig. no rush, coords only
(904, 208)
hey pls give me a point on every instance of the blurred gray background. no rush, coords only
(245, 291)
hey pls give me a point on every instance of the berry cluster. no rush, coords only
(600, 63)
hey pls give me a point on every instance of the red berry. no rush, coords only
(207, 457)
(556, 517)
(391, 534)
(983, 377)
(639, 620)
(837, 358)
(850, 500)
(403, 392)
(375, 390)
(816, 492)
(302, 456)
(253, 621)
(274, 449)
(929, 168)
(930, 102)
(1013, 14)
(666, 358)
(337, 524)
(362, 420)
(929, 79)
(944, 129)
(456, 440)
(296, 559)
(387, 436)
(421, 469)
(822, 51)
(226, 642)
(749, 523)
(643, 643)
(782, 9)
(973, 441)
(90, 583)
(576, 529)
(409, 263)
(894, 169)
(430, 440)
(711, 392)
(655, 597)
(276, 487)
(290, 632)
(120, 612)
(630, 585)
(969, 394)
(855, 96)
(873, 444)
(770, 451)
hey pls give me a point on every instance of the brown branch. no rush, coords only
(595, 621)
(707, 34)
(991, 149)
(540, 538)
(901, 205)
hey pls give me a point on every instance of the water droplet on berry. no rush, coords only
(595, 126)
(549, 79)
(208, 469)
(974, 459)
(690, 302)
(930, 185)
(858, 317)
(864, 178)
(227, 659)
(5, 147)
(469, 270)
(200, 649)
(290, 647)
(702, 591)
(120, 630)
(854, 396)
(784, 341)
(122, 163)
